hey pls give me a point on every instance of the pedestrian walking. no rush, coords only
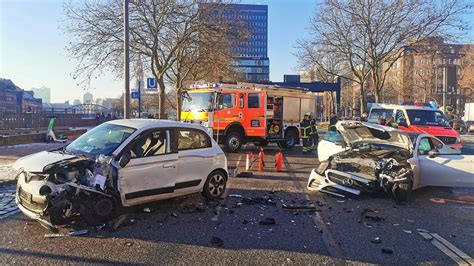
(305, 128)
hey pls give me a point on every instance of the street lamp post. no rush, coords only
(126, 41)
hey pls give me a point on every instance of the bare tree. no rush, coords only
(207, 54)
(158, 31)
(376, 33)
(335, 49)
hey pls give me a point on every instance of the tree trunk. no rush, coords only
(161, 97)
(179, 103)
(362, 98)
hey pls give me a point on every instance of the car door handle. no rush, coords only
(169, 166)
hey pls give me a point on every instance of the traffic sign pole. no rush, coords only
(139, 98)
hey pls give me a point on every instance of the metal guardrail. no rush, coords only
(10, 121)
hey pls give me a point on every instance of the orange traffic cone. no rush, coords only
(261, 164)
(279, 162)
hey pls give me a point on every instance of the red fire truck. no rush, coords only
(244, 112)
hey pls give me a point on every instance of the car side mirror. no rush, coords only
(124, 160)
(433, 154)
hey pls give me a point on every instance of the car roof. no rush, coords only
(151, 123)
(406, 107)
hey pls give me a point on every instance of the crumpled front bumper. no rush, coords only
(34, 216)
(317, 182)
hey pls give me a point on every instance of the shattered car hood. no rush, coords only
(37, 161)
(355, 132)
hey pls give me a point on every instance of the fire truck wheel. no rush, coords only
(233, 142)
(290, 139)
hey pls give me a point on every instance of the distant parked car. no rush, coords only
(120, 163)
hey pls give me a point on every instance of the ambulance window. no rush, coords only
(241, 101)
(253, 100)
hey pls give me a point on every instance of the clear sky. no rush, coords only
(32, 46)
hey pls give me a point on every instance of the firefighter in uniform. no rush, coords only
(313, 133)
(305, 127)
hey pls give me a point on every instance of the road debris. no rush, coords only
(374, 218)
(117, 222)
(407, 231)
(267, 221)
(73, 233)
(387, 251)
(217, 241)
(376, 240)
(299, 207)
(147, 210)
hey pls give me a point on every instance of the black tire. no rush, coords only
(215, 185)
(291, 137)
(402, 191)
(233, 142)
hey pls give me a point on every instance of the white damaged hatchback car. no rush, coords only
(118, 164)
(365, 157)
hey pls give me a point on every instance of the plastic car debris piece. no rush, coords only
(217, 241)
(376, 240)
(73, 233)
(374, 218)
(147, 210)
(407, 231)
(422, 230)
(117, 222)
(175, 215)
(267, 221)
(299, 207)
(387, 251)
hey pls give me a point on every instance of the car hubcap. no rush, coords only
(234, 143)
(216, 185)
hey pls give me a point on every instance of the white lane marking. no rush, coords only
(328, 239)
(458, 252)
(447, 248)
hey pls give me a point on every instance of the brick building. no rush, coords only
(427, 69)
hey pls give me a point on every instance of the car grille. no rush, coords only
(448, 140)
(343, 180)
(26, 200)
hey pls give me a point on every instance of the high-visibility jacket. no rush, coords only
(314, 130)
(305, 127)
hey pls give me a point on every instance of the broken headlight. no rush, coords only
(323, 166)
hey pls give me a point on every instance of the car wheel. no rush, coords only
(215, 185)
(402, 191)
(233, 142)
(290, 140)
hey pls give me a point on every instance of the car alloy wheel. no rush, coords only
(215, 185)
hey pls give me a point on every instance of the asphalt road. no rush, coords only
(191, 231)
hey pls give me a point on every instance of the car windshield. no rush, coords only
(377, 114)
(198, 101)
(332, 136)
(427, 118)
(103, 139)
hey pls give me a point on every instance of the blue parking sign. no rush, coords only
(151, 83)
(135, 95)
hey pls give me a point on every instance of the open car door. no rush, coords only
(441, 167)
